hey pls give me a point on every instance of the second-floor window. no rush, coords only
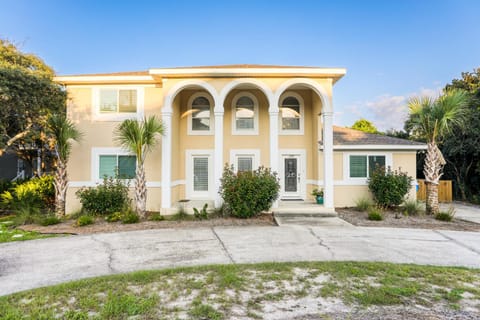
(245, 114)
(291, 114)
(118, 101)
(200, 115)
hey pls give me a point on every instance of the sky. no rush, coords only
(392, 50)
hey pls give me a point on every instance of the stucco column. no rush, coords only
(218, 156)
(167, 160)
(274, 144)
(328, 159)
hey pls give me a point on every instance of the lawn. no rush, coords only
(313, 290)
(8, 233)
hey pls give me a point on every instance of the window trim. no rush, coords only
(240, 132)
(117, 116)
(189, 192)
(190, 130)
(254, 153)
(346, 164)
(109, 151)
(301, 129)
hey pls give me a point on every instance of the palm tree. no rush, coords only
(62, 132)
(139, 137)
(432, 119)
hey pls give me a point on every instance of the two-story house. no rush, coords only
(246, 115)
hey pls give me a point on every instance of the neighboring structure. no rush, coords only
(246, 115)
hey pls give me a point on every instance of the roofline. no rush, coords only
(378, 147)
(113, 79)
(338, 72)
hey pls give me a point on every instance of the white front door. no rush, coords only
(291, 176)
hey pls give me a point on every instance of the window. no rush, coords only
(118, 100)
(245, 114)
(110, 165)
(362, 166)
(200, 115)
(200, 173)
(245, 159)
(244, 164)
(291, 114)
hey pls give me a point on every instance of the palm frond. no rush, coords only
(63, 131)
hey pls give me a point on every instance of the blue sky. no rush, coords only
(391, 49)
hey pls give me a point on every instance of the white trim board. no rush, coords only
(389, 147)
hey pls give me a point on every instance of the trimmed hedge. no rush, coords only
(246, 194)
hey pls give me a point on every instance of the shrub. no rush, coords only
(156, 216)
(375, 214)
(5, 185)
(34, 193)
(49, 220)
(85, 220)
(446, 215)
(201, 214)
(114, 217)
(246, 194)
(130, 217)
(109, 197)
(412, 207)
(389, 188)
(363, 204)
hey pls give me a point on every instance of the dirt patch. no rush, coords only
(398, 220)
(101, 226)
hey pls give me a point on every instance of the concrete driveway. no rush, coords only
(31, 264)
(463, 211)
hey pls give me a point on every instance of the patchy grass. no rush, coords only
(9, 233)
(251, 291)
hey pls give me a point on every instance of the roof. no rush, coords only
(346, 138)
(155, 75)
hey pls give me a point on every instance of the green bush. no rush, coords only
(130, 217)
(49, 220)
(201, 214)
(375, 214)
(363, 204)
(34, 193)
(156, 217)
(412, 207)
(106, 198)
(85, 220)
(246, 194)
(388, 187)
(114, 217)
(5, 185)
(446, 216)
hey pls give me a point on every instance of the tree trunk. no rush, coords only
(432, 198)
(140, 191)
(61, 183)
(432, 170)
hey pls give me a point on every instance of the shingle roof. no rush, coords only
(347, 136)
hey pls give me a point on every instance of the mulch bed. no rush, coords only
(398, 220)
(101, 226)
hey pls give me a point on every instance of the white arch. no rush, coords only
(257, 83)
(172, 93)
(315, 86)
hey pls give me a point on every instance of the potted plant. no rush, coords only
(318, 194)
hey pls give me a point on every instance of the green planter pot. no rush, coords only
(319, 200)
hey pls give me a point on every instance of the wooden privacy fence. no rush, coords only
(444, 191)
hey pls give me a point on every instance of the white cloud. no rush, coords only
(385, 111)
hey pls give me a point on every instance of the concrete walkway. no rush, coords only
(31, 264)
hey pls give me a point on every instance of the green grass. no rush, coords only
(212, 292)
(9, 233)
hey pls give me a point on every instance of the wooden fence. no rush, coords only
(444, 191)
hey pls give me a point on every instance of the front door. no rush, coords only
(291, 177)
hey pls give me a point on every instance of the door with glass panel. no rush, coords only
(199, 170)
(291, 177)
